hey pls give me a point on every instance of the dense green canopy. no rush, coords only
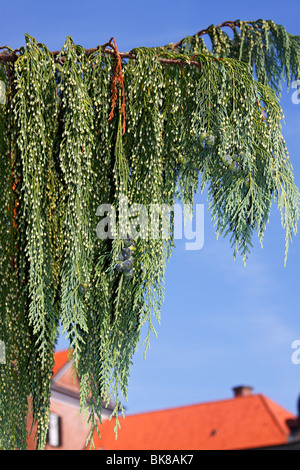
(84, 128)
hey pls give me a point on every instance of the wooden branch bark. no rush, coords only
(230, 24)
(12, 56)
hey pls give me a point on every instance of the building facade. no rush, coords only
(244, 421)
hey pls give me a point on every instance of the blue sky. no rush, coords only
(222, 324)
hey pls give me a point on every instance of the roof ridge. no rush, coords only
(63, 369)
(273, 415)
(205, 403)
(244, 422)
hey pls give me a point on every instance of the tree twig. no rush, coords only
(230, 24)
(13, 55)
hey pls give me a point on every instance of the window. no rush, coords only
(54, 431)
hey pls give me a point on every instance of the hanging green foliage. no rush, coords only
(94, 146)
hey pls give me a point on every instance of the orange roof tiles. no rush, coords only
(238, 423)
(61, 359)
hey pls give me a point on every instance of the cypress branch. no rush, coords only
(82, 128)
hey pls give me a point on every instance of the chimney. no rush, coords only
(242, 391)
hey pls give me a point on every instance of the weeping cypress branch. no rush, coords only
(271, 51)
(14, 330)
(84, 128)
(75, 156)
(35, 109)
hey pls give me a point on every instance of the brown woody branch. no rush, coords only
(12, 56)
(230, 24)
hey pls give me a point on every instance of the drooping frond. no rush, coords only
(96, 146)
(271, 51)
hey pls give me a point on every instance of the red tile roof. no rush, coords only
(238, 423)
(61, 359)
